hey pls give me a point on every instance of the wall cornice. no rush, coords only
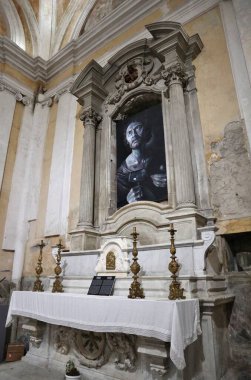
(37, 69)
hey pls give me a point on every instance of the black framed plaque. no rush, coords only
(102, 286)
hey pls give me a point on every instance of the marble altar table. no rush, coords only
(177, 322)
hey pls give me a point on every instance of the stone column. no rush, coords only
(90, 120)
(197, 144)
(184, 183)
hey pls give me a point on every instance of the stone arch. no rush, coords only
(13, 23)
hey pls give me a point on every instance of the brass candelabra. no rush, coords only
(175, 292)
(135, 290)
(38, 286)
(57, 285)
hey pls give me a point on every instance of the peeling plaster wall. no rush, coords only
(230, 174)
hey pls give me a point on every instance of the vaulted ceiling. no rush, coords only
(43, 27)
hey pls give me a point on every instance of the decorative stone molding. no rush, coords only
(14, 87)
(79, 48)
(124, 347)
(20, 97)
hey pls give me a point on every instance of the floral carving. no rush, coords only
(124, 348)
(61, 340)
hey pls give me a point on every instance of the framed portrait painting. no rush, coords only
(141, 161)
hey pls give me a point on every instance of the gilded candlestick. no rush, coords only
(57, 285)
(135, 290)
(175, 292)
(38, 286)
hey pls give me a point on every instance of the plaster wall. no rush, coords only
(216, 93)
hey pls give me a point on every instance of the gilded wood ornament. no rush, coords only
(57, 285)
(110, 261)
(38, 286)
(135, 291)
(175, 292)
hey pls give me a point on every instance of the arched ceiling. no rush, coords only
(44, 27)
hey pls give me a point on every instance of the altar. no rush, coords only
(146, 90)
(177, 322)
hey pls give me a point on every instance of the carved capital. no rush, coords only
(19, 96)
(47, 102)
(174, 75)
(90, 117)
(26, 100)
(23, 98)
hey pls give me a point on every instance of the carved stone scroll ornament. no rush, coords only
(130, 76)
(62, 338)
(123, 347)
(90, 117)
(90, 348)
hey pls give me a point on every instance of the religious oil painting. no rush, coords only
(141, 161)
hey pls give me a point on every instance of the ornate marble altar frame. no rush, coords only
(163, 73)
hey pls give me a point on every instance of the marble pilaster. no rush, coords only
(185, 194)
(59, 185)
(7, 108)
(16, 227)
(90, 119)
(19, 186)
(40, 125)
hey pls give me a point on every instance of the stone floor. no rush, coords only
(23, 371)
(20, 370)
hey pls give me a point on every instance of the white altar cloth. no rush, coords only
(177, 322)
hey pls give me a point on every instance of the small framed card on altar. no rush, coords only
(102, 285)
